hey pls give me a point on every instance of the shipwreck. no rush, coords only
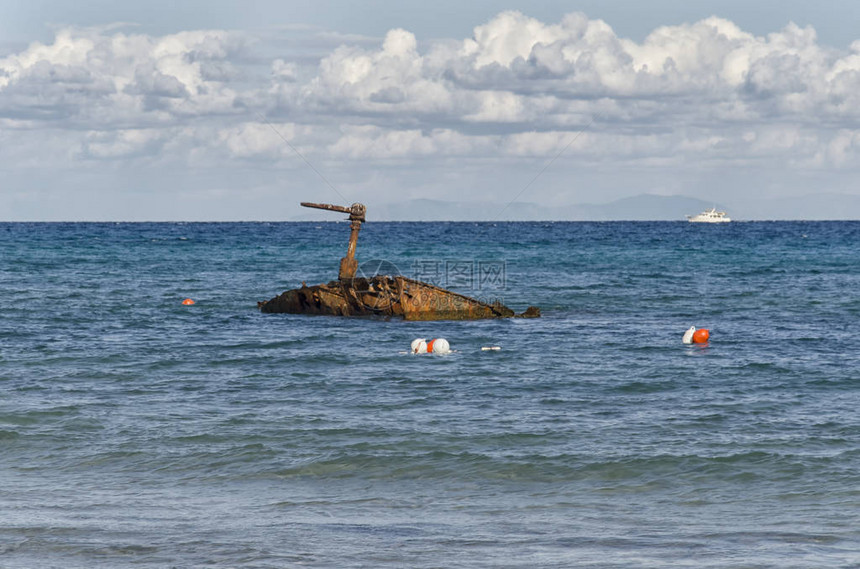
(381, 295)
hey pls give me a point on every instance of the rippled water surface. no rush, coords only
(138, 432)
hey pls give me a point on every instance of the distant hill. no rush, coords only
(437, 210)
(646, 207)
(641, 207)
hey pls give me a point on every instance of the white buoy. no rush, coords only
(490, 348)
(435, 346)
(688, 335)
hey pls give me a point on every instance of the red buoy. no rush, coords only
(701, 336)
(187, 302)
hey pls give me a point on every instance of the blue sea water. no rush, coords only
(138, 432)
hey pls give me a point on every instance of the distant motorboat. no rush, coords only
(709, 216)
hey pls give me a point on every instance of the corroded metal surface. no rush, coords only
(357, 212)
(387, 296)
(382, 295)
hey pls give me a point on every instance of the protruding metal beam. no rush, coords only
(357, 213)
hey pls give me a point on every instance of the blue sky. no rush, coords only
(834, 21)
(213, 110)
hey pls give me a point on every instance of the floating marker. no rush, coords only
(187, 302)
(688, 335)
(694, 336)
(490, 348)
(435, 346)
(701, 336)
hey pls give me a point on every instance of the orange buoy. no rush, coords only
(187, 302)
(435, 346)
(701, 336)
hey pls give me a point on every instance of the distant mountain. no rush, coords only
(641, 207)
(646, 207)
(437, 210)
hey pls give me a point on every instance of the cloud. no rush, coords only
(390, 80)
(513, 95)
(89, 76)
(515, 70)
(372, 142)
(123, 143)
(518, 75)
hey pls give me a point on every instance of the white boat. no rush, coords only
(709, 216)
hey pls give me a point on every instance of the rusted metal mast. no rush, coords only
(357, 212)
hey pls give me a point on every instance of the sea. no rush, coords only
(136, 431)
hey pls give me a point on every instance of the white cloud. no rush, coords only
(91, 76)
(284, 71)
(517, 92)
(125, 143)
(515, 69)
(843, 149)
(506, 37)
(363, 142)
(389, 80)
(257, 140)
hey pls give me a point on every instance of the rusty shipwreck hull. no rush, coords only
(387, 296)
(381, 295)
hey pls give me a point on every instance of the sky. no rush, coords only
(222, 111)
